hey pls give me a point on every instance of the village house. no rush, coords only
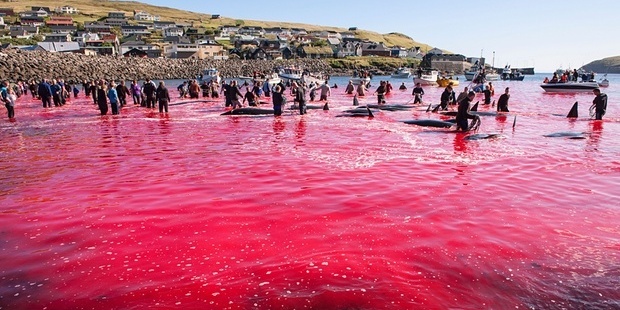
(38, 13)
(59, 21)
(160, 25)
(150, 50)
(58, 37)
(252, 31)
(119, 15)
(129, 30)
(63, 29)
(375, 49)
(173, 31)
(97, 27)
(140, 15)
(23, 31)
(66, 10)
(278, 32)
(206, 49)
(347, 49)
(84, 37)
(398, 51)
(32, 21)
(347, 35)
(448, 62)
(298, 32)
(7, 12)
(227, 30)
(116, 22)
(42, 8)
(415, 52)
(315, 52)
(59, 47)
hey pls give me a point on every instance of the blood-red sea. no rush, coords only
(194, 210)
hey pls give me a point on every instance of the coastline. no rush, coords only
(16, 65)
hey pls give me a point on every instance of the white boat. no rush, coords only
(360, 80)
(427, 78)
(488, 76)
(290, 74)
(209, 75)
(569, 87)
(402, 73)
(308, 78)
(604, 82)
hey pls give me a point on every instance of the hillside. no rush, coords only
(605, 65)
(95, 9)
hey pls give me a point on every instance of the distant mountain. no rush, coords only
(95, 9)
(605, 65)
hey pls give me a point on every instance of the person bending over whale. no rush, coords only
(462, 114)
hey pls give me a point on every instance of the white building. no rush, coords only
(173, 32)
(140, 15)
(66, 10)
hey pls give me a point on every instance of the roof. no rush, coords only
(59, 46)
(318, 50)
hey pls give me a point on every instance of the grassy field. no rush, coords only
(92, 10)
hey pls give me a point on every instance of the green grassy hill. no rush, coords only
(605, 65)
(95, 9)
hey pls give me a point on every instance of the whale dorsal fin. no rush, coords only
(574, 111)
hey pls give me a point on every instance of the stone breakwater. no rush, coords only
(33, 65)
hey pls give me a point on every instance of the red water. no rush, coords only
(194, 210)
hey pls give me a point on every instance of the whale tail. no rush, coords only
(429, 108)
(326, 107)
(514, 123)
(573, 111)
(355, 101)
(369, 112)
(435, 109)
(475, 107)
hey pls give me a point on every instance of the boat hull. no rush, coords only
(401, 76)
(569, 87)
(358, 81)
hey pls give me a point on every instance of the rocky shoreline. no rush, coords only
(18, 65)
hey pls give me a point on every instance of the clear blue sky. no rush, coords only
(546, 34)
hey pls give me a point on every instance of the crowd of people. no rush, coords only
(113, 95)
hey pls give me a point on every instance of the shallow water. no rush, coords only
(197, 210)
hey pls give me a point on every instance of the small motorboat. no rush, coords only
(569, 87)
(401, 73)
(604, 82)
(443, 82)
(209, 75)
(428, 77)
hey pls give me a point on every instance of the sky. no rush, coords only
(545, 34)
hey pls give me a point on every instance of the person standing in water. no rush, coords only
(462, 114)
(277, 100)
(101, 97)
(163, 97)
(599, 104)
(502, 103)
(417, 92)
(113, 97)
(8, 97)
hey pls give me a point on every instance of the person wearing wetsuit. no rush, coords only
(487, 95)
(418, 92)
(462, 114)
(277, 100)
(502, 102)
(446, 97)
(599, 103)
(250, 96)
